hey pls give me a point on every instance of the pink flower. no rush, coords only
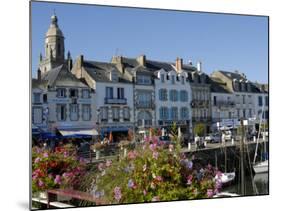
(108, 163)
(144, 192)
(65, 154)
(40, 183)
(152, 147)
(171, 147)
(210, 193)
(159, 178)
(45, 155)
(37, 160)
(57, 180)
(155, 155)
(117, 194)
(132, 155)
(189, 179)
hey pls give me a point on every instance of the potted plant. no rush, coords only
(55, 169)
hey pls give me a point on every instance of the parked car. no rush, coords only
(213, 138)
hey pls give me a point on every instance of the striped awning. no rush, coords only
(88, 132)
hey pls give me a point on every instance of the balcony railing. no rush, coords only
(145, 105)
(199, 103)
(227, 104)
(115, 101)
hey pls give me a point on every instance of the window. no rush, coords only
(243, 97)
(183, 96)
(36, 97)
(174, 113)
(260, 101)
(184, 113)
(229, 115)
(182, 79)
(163, 111)
(143, 79)
(173, 79)
(215, 100)
(250, 112)
(37, 114)
(115, 114)
(238, 113)
(86, 112)
(173, 95)
(162, 78)
(73, 112)
(249, 99)
(113, 75)
(45, 98)
(109, 92)
(85, 93)
(126, 114)
(73, 92)
(61, 112)
(61, 92)
(244, 113)
(104, 114)
(163, 95)
(120, 93)
(266, 100)
(144, 118)
(144, 99)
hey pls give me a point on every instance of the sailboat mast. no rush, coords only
(256, 150)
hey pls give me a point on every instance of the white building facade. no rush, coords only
(173, 99)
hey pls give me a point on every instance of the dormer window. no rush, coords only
(162, 76)
(173, 80)
(61, 92)
(113, 76)
(182, 79)
(73, 93)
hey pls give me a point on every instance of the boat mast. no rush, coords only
(242, 158)
(256, 151)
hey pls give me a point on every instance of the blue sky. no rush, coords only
(225, 42)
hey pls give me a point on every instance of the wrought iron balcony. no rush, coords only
(115, 101)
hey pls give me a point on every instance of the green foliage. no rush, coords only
(58, 169)
(151, 173)
(199, 129)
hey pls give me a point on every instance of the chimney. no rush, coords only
(142, 60)
(39, 74)
(80, 61)
(199, 66)
(178, 63)
(118, 60)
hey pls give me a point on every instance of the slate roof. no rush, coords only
(99, 71)
(61, 76)
(152, 65)
(232, 75)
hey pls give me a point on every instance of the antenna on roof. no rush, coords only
(116, 51)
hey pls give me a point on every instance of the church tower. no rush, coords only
(54, 47)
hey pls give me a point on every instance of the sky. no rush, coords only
(220, 41)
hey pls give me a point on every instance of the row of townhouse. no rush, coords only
(91, 97)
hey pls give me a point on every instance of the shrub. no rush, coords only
(152, 173)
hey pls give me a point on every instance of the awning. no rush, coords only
(89, 132)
